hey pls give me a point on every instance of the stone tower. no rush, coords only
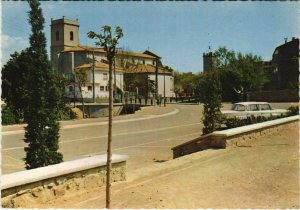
(64, 34)
(209, 61)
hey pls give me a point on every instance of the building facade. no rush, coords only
(286, 64)
(100, 86)
(141, 78)
(67, 54)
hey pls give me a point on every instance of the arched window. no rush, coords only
(71, 36)
(57, 35)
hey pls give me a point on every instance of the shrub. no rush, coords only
(293, 110)
(210, 90)
(238, 122)
(7, 116)
(67, 114)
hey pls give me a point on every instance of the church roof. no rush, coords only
(98, 66)
(142, 68)
(81, 48)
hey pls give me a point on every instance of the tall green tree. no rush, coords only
(108, 42)
(41, 115)
(186, 83)
(15, 83)
(239, 73)
(211, 97)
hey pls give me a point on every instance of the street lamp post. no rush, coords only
(74, 91)
(94, 77)
(156, 81)
(164, 87)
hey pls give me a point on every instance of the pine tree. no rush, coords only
(42, 131)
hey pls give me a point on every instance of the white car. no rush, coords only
(246, 109)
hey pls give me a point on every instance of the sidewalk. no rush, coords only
(261, 175)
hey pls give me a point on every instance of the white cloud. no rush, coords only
(10, 44)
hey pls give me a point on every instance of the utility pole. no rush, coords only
(156, 80)
(74, 94)
(164, 87)
(115, 80)
(94, 76)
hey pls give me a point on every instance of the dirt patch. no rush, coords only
(263, 174)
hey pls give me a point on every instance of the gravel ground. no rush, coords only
(263, 174)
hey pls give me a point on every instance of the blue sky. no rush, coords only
(180, 32)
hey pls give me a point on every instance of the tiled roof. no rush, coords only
(98, 66)
(81, 48)
(142, 68)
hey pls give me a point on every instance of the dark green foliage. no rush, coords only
(293, 110)
(240, 73)
(186, 83)
(7, 116)
(238, 122)
(67, 114)
(42, 131)
(14, 83)
(210, 91)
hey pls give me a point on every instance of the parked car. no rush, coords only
(246, 109)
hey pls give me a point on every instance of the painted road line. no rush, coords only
(143, 144)
(119, 134)
(6, 133)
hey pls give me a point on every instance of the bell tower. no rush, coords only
(209, 61)
(64, 34)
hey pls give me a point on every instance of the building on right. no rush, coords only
(285, 62)
(283, 75)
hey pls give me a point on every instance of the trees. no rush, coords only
(81, 79)
(186, 83)
(109, 43)
(42, 131)
(14, 83)
(210, 92)
(239, 73)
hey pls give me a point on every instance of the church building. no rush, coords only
(67, 54)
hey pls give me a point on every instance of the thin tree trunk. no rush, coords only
(109, 155)
(82, 103)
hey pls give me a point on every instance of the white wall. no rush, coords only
(99, 82)
(169, 84)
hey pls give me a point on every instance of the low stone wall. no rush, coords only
(233, 137)
(100, 110)
(274, 96)
(36, 186)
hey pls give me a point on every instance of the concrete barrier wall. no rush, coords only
(233, 137)
(36, 186)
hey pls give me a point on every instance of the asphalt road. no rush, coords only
(146, 137)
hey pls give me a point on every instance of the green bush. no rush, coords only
(293, 110)
(7, 116)
(238, 122)
(67, 114)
